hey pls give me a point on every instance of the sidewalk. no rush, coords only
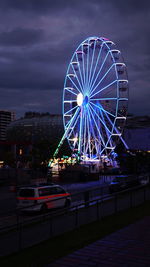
(128, 247)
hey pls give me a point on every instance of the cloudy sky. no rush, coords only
(38, 37)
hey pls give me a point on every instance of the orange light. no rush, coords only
(20, 151)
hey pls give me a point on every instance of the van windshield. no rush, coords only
(26, 192)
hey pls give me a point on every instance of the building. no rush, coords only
(6, 117)
(35, 130)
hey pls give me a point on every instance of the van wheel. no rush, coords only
(44, 208)
(67, 203)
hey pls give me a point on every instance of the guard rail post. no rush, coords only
(131, 199)
(20, 236)
(50, 226)
(144, 195)
(97, 204)
(116, 203)
(76, 219)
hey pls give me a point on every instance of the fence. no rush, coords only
(35, 230)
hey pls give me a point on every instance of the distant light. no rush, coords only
(20, 151)
(79, 99)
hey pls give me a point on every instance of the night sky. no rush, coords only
(38, 37)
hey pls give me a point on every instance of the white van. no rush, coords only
(42, 197)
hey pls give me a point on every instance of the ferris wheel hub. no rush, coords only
(86, 99)
(80, 99)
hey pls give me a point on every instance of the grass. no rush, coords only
(57, 247)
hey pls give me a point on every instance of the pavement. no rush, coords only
(128, 247)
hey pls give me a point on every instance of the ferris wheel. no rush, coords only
(95, 98)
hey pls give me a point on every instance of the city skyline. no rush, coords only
(38, 38)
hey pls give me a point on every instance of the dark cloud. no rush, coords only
(37, 39)
(130, 6)
(38, 6)
(29, 76)
(21, 37)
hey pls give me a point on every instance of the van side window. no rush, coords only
(26, 192)
(60, 190)
(52, 191)
(43, 192)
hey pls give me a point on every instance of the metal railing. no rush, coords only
(26, 233)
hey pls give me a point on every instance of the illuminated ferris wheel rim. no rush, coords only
(89, 113)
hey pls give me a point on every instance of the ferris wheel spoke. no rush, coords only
(101, 138)
(91, 128)
(104, 98)
(70, 91)
(106, 73)
(84, 145)
(74, 84)
(108, 135)
(104, 143)
(76, 75)
(99, 55)
(83, 68)
(106, 128)
(102, 89)
(93, 83)
(84, 132)
(97, 106)
(73, 126)
(92, 62)
(69, 123)
(80, 74)
(80, 132)
(87, 67)
(94, 135)
(106, 111)
(87, 143)
(70, 110)
(112, 124)
(89, 137)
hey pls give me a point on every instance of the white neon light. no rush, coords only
(75, 63)
(71, 75)
(69, 101)
(79, 99)
(123, 81)
(116, 134)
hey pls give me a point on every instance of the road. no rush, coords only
(8, 200)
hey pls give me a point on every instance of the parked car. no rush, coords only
(122, 182)
(42, 197)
